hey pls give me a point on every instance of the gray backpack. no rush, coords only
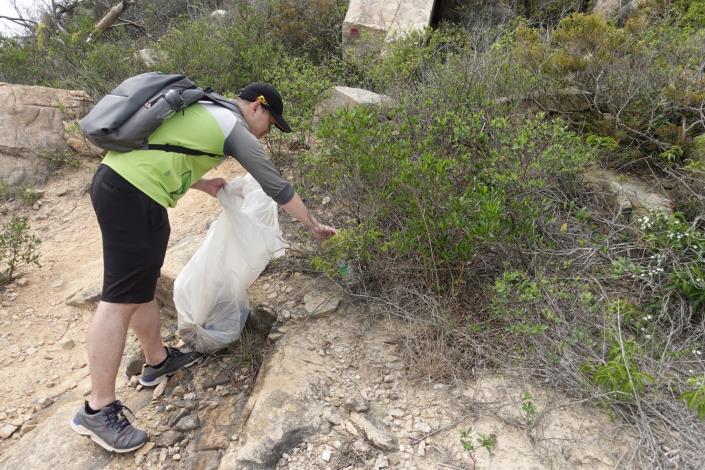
(124, 119)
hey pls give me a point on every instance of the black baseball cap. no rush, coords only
(269, 98)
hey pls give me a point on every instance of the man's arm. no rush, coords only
(209, 186)
(297, 209)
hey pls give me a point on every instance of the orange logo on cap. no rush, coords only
(262, 100)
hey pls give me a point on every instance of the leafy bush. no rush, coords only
(441, 187)
(309, 28)
(620, 374)
(643, 79)
(17, 247)
(225, 57)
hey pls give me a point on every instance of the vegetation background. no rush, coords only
(462, 204)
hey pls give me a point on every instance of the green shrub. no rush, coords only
(17, 247)
(441, 186)
(309, 28)
(643, 81)
(225, 57)
(620, 374)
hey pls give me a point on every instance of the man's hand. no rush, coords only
(209, 186)
(323, 232)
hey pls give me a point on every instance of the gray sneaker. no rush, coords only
(175, 360)
(109, 428)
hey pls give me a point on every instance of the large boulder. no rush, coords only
(369, 24)
(619, 9)
(32, 129)
(346, 97)
(411, 16)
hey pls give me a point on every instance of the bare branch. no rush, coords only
(110, 17)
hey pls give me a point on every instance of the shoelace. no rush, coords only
(116, 416)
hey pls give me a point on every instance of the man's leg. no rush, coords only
(106, 341)
(147, 326)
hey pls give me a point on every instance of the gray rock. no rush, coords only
(261, 319)
(332, 416)
(628, 197)
(45, 402)
(188, 423)
(33, 128)
(135, 363)
(86, 295)
(321, 303)
(345, 97)
(169, 438)
(7, 431)
(357, 403)
(204, 460)
(378, 435)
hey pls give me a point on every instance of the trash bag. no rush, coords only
(210, 293)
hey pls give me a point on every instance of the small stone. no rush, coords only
(332, 416)
(422, 427)
(320, 304)
(381, 462)
(358, 404)
(135, 363)
(27, 428)
(421, 449)
(67, 344)
(439, 386)
(325, 201)
(286, 314)
(396, 413)
(45, 402)
(188, 423)
(159, 389)
(190, 396)
(22, 281)
(169, 438)
(30, 351)
(350, 428)
(7, 431)
(376, 433)
(142, 451)
(176, 457)
(327, 452)
(361, 447)
(163, 455)
(3, 416)
(57, 284)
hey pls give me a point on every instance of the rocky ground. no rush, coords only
(327, 388)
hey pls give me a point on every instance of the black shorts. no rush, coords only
(135, 232)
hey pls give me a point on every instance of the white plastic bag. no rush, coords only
(210, 293)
